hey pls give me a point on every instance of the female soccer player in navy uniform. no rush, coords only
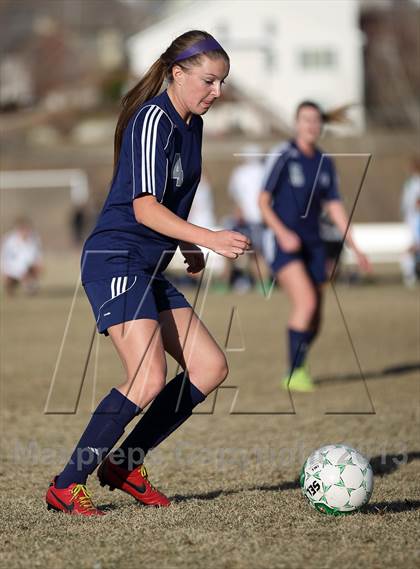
(156, 172)
(299, 183)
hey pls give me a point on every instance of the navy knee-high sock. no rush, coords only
(106, 426)
(299, 343)
(160, 420)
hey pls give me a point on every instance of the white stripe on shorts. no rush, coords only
(113, 295)
(118, 286)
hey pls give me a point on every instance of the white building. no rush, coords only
(282, 51)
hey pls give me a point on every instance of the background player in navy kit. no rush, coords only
(299, 183)
(156, 172)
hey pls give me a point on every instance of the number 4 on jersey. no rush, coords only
(177, 172)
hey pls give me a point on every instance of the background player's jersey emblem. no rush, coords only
(296, 175)
(324, 179)
(177, 171)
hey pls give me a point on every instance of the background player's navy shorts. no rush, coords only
(313, 257)
(131, 297)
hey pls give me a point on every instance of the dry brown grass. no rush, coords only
(232, 477)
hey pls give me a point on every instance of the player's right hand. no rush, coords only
(230, 244)
(363, 262)
(289, 241)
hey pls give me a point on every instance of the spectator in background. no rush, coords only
(202, 214)
(79, 197)
(410, 209)
(244, 189)
(202, 209)
(21, 257)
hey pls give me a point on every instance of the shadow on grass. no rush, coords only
(399, 369)
(289, 485)
(382, 508)
(107, 507)
(382, 465)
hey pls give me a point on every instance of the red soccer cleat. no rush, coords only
(75, 500)
(134, 482)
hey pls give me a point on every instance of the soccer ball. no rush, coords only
(336, 479)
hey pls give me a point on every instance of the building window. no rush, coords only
(317, 58)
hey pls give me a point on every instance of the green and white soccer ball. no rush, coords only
(337, 479)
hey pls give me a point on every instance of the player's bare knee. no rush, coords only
(219, 369)
(146, 385)
(212, 371)
(222, 370)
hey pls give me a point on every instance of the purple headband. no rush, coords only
(209, 44)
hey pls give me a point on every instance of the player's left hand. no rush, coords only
(194, 258)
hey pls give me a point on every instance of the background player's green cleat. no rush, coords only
(300, 380)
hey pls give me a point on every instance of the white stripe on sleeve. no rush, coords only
(143, 149)
(148, 140)
(148, 152)
(153, 158)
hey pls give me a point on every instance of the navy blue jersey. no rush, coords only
(160, 156)
(299, 185)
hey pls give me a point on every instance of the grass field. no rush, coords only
(232, 476)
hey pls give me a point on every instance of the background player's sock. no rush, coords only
(106, 426)
(298, 347)
(161, 419)
(311, 336)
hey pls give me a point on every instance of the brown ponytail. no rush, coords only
(151, 83)
(336, 115)
(147, 88)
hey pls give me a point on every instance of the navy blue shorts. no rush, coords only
(312, 256)
(132, 297)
